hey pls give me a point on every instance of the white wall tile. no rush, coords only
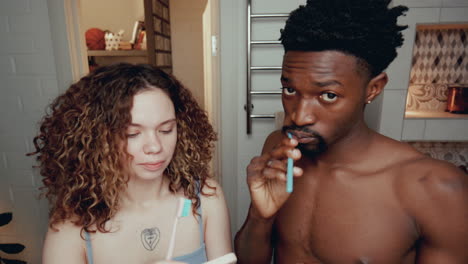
(454, 3)
(267, 56)
(22, 24)
(10, 142)
(393, 110)
(418, 3)
(413, 129)
(21, 86)
(3, 24)
(446, 130)
(34, 64)
(33, 104)
(18, 160)
(454, 14)
(9, 7)
(266, 80)
(13, 44)
(266, 6)
(267, 29)
(19, 177)
(49, 88)
(6, 65)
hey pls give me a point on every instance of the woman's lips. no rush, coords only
(152, 166)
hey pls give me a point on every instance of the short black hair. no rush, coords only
(366, 29)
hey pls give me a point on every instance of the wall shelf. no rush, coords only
(433, 115)
(118, 53)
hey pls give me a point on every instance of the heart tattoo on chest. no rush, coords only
(150, 238)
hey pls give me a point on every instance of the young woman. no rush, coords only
(117, 152)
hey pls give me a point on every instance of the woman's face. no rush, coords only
(152, 134)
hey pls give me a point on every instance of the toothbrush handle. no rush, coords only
(170, 251)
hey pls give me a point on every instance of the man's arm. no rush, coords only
(438, 201)
(253, 241)
(266, 177)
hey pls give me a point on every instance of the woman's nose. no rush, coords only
(152, 145)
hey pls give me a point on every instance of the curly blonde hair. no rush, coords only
(79, 147)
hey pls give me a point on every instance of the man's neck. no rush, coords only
(350, 149)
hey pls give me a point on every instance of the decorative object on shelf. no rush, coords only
(9, 248)
(140, 44)
(457, 99)
(95, 39)
(137, 28)
(113, 40)
(125, 45)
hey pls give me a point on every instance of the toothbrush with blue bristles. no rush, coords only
(183, 210)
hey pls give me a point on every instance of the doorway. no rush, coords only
(195, 60)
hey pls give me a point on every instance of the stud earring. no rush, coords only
(368, 102)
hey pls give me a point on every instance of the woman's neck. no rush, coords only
(143, 193)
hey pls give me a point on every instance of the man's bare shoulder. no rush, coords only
(428, 187)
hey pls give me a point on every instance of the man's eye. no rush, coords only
(329, 97)
(288, 91)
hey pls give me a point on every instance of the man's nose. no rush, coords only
(303, 114)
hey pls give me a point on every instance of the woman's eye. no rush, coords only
(166, 131)
(132, 135)
(288, 91)
(329, 97)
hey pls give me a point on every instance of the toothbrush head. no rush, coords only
(184, 207)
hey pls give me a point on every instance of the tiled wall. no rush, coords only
(439, 60)
(453, 152)
(28, 82)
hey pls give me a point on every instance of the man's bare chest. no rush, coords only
(346, 222)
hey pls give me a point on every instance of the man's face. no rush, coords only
(323, 97)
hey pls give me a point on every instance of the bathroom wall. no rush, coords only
(439, 60)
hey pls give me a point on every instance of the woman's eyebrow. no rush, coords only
(163, 123)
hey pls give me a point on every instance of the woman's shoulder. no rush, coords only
(64, 241)
(212, 196)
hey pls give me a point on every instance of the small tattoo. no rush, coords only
(150, 238)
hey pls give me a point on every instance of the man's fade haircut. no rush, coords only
(366, 29)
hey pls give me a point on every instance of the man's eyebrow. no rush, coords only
(327, 83)
(284, 79)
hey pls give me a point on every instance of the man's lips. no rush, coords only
(304, 138)
(307, 140)
(152, 166)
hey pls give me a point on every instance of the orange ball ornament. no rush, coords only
(95, 39)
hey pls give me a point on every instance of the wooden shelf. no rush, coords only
(118, 53)
(434, 115)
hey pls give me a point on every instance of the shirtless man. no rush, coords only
(359, 197)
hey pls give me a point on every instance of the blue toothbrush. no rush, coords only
(289, 175)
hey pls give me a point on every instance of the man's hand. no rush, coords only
(266, 177)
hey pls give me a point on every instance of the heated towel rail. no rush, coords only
(249, 106)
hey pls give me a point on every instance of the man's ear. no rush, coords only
(375, 86)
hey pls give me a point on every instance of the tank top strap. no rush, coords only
(200, 216)
(89, 249)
